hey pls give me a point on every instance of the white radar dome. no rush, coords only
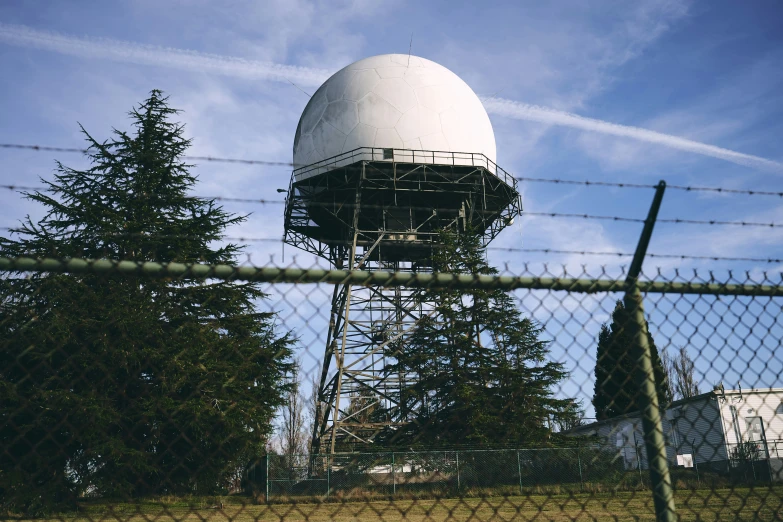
(393, 101)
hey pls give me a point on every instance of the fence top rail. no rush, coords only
(435, 452)
(372, 278)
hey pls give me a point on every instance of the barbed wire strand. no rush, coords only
(588, 183)
(658, 220)
(242, 239)
(686, 188)
(523, 214)
(259, 201)
(42, 148)
(630, 254)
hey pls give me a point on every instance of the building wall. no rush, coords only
(623, 434)
(698, 430)
(738, 409)
(708, 426)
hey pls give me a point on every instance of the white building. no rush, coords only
(718, 430)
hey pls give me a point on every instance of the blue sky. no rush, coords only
(705, 76)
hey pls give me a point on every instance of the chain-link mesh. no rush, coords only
(574, 470)
(108, 416)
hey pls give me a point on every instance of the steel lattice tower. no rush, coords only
(383, 209)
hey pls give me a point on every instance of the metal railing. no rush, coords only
(427, 157)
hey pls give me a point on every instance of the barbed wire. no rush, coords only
(42, 148)
(244, 161)
(582, 216)
(629, 254)
(22, 187)
(717, 222)
(588, 183)
(251, 200)
(686, 188)
(726, 190)
(527, 213)
(165, 236)
(244, 239)
(658, 220)
(259, 201)
(523, 214)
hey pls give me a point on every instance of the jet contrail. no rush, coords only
(523, 111)
(131, 52)
(117, 50)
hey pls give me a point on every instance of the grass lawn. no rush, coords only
(722, 504)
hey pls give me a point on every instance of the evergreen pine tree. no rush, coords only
(131, 386)
(616, 384)
(476, 370)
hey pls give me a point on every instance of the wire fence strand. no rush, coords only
(678, 221)
(554, 251)
(44, 148)
(587, 183)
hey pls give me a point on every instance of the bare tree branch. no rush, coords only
(685, 384)
(312, 405)
(293, 439)
(680, 373)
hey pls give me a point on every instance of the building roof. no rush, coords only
(708, 395)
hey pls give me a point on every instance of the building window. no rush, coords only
(755, 429)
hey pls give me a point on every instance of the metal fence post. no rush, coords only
(769, 459)
(328, 474)
(660, 479)
(579, 461)
(638, 461)
(695, 464)
(459, 485)
(266, 480)
(394, 477)
(519, 471)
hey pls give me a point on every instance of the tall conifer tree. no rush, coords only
(616, 385)
(131, 386)
(477, 371)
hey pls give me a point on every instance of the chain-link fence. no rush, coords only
(591, 468)
(114, 415)
(452, 473)
(396, 369)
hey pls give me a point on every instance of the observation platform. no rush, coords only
(392, 204)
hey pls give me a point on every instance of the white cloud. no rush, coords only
(726, 241)
(131, 52)
(564, 54)
(523, 111)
